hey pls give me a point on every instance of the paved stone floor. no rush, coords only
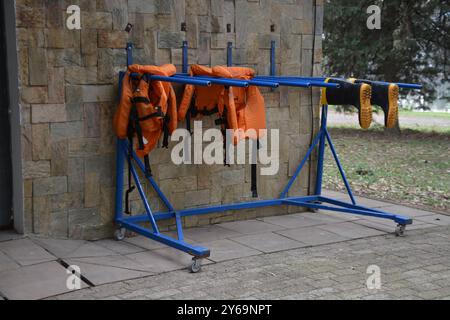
(414, 267)
(302, 256)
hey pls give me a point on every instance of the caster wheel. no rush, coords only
(119, 234)
(313, 210)
(400, 230)
(196, 265)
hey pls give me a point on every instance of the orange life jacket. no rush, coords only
(240, 108)
(147, 109)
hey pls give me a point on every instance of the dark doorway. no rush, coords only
(5, 134)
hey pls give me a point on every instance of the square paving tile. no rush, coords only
(90, 249)
(73, 248)
(59, 247)
(389, 226)
(340, 215)
(118, 261)
(7, 263)
(269, 242)
(312, 236)
(34, 282)
(292, 221)
(102, 270)
(370, 203)
(351, 230)
(322, 218)
(222, 250)
(144, 242)
(119, 247)
(9, 235)
(437, 219)
(407, 211)
(386, 222)
(25, 252)
(210, 233)
(420, 226)
(163, 260)
(335, 194)
(250, 227)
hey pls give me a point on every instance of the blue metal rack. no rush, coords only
(315, 202)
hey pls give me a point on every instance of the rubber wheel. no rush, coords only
(196, 265)
(400, 230)
(119, 234)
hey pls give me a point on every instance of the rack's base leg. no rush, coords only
(323, 203)
(196, 251)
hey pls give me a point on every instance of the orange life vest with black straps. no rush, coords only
(240, 109)
(147, 109)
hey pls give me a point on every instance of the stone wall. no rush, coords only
(68, 92)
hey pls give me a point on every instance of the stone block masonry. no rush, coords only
(68, 93)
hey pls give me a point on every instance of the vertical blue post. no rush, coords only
(129, 54)
(273, 65)
(185, 69)
(323, 128)
(120, 166)
(120, 155)
(179, 223)
(229, 54)
(185, 62)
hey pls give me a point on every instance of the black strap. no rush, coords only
(190, 113)
(130, 186)
(166, 131)
(188, 121)
(140, 100)
(206, 112)
(254, 182)
(157, 114)
(222, 121)
(148, 169)
(135, 127)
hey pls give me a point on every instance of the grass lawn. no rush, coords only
(422, 121)
(377, 127)
(413, 168)
(440, 115)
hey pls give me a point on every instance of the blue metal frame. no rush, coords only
(316, 201)
(185, 63)
(273, 64)
(229, 54)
